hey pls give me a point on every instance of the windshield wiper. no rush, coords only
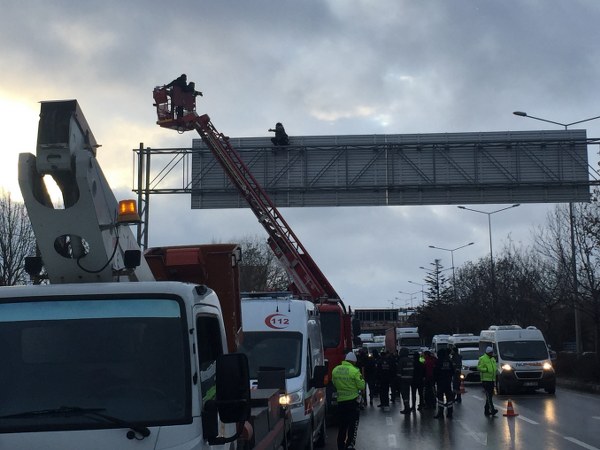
(77, 411)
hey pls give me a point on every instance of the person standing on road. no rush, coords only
(429, 383)
(456, 359)
(443, 374)
(370, 375)
(405, 373)
(487, 369)
(418, 379)
(349, 384)
(386, 373)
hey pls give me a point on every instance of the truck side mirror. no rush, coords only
(232, 404)
(319, 374)
(233, 387)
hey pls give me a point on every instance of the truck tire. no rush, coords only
(320, 442)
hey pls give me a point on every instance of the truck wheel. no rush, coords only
(320, 442)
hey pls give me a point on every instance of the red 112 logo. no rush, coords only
(277, 321)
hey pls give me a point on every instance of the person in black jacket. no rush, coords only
(386, 372)
(443, 374)
(418, 381)
(405, 375)
(281, 137)
(370, 374)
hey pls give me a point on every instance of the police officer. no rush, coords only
(348, 383)
(443, 374)
(487, 369)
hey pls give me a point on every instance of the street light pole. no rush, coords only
(452, 250)
(411, 294)
(422, 291)
(492, 273)
(578, 343)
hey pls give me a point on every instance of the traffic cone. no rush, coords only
(462, 389)
(510, 412)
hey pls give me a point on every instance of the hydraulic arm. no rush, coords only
(84, 242)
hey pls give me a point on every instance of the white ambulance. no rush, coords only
(283, 332)
(522, 356)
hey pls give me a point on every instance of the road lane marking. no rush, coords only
(392, 441)
(477, 397)
(481, 438)
(580, 443)
(533, 422)
(389, 421)
(596, 417)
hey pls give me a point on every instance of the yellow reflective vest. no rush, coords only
(347, 380)
(487, 367)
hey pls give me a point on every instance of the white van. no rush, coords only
(523, 359)
(286, 333)
(462, 340)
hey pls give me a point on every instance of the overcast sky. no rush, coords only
(320, 67)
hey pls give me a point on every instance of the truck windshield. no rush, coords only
(331, 329)
(125, 357)
(523, 350)
(272, 349)
(410, 342)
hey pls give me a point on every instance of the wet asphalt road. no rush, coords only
(567, 420)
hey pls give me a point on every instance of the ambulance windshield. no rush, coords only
(273, 349)
(523, 350)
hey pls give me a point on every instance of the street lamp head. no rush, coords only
(461, 207)
(432, 246)
(520, 113)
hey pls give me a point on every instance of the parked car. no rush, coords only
(470, 358)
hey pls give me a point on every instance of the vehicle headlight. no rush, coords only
(506, 367)
(547, 366)
(292, 399)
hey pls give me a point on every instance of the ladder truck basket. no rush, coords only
(175, 109)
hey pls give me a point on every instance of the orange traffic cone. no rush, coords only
(510, 412)
(462, 389)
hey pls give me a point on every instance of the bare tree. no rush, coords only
(260, 270)
(16, 241)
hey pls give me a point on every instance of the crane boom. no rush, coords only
(309, 281)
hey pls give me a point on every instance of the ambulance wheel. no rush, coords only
(501, 388)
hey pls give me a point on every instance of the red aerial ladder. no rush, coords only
(309, 282)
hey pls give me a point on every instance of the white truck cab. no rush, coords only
(522, 357)
(114, 365)
(286, 333)
(461, 340)
(438, 342)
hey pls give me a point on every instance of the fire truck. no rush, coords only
(308, 281)
(109, 348)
